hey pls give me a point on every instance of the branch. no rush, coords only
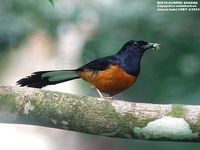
(97, 116)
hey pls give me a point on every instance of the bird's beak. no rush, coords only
(155, 46)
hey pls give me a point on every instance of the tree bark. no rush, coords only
(115, 118)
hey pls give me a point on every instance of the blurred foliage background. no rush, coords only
(36, 36)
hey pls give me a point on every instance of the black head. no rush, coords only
(137, 47)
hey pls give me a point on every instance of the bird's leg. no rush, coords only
(101, 95)
(104, 97)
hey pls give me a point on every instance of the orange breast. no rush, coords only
(112, 80)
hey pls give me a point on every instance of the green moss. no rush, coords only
(45, 111)
(90, 113)
(135, 121)
(177, 111)
(128, 121)
(48, 107)
(195, 126)
(7, 100)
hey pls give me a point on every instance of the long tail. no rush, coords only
(43, 78)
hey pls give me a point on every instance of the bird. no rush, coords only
(109, 75)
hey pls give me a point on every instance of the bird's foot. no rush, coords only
(104, 97)
(107, 97)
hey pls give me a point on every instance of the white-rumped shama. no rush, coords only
(111, 74)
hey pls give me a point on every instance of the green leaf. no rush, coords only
(51, 1)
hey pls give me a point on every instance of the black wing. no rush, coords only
(100, 64)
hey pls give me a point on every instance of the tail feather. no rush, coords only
(43, 78)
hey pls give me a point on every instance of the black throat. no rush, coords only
(130, 62)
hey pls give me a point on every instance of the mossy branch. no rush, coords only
(99, 116)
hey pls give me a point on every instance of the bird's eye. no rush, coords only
(135, 43)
